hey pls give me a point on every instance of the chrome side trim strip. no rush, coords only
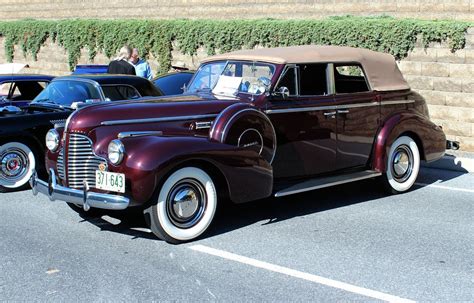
(356, 177)
(153, 120)
(298, 110)
(336, 107)
(397, 102)
(139, 134)
(367, 104)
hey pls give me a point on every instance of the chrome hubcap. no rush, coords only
(14, 164)
(186, 203)
(402, 163)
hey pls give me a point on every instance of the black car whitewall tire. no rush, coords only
(17, 163)
(185, 207)
(403, 165)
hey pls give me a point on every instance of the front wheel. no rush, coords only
(403, 165)
(185, 207)
(17, 163)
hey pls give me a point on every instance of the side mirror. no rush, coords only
(184, 88)
(283, 91)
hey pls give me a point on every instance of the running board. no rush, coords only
(326, 182)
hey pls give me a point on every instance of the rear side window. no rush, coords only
(120, 92)
(350, 78)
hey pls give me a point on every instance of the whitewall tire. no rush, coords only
(186, 205)
(403, 165)
(17, 163)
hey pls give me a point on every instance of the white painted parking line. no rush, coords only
(299, 274)
(445, 187)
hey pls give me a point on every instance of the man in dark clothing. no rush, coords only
(120, 65)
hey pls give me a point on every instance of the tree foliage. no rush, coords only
(386, 34)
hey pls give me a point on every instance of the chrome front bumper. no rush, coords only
(83, 197)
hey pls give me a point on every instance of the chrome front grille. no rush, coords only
(81, 162)
(60, 164)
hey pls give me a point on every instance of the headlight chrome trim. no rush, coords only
(115, 151)
(52, 140)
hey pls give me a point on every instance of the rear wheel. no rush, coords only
(17, 163)
(403, 165)
(185, 207)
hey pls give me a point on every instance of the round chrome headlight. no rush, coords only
(52, 140)
(116, 151)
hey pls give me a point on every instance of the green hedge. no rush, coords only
(396, 36)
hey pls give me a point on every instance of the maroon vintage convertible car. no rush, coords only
(254, 123)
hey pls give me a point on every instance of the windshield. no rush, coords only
(65, 92)
(232, 77)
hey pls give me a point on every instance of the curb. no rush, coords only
(454, 163)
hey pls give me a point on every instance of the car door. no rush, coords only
(358, 115)
(304, 122)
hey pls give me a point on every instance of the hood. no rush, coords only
(146, 111)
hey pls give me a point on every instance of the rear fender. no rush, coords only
(429, 137)
(148, 160)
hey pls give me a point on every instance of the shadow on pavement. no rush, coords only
(268, 211)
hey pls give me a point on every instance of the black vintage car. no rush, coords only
(19, 89)
(22, 133)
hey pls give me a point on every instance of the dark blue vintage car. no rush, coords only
(22, 132)
(19, 89)
(174, 83)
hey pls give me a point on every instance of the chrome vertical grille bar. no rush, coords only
(60, 165)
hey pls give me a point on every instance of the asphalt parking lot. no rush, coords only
(347, 243)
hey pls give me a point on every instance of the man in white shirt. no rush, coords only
(142, 68)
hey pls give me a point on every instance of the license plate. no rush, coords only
(110, 181)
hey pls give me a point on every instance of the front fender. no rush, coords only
(149, 160)
(430, 138)
(244, 125)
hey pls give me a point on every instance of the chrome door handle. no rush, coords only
(342, 111)
(330, 114)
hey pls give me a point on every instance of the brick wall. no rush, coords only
(234, 9)
(445, 79)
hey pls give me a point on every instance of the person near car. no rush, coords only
(121, 64)
(142, 68)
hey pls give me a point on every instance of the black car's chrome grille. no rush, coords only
(60, 165)
(81, 162)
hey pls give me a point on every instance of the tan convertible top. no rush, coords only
(380, 69)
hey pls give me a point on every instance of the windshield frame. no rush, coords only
(95, 84)
(210, 90)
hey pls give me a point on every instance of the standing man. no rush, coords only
(142, 67)
(121, 64)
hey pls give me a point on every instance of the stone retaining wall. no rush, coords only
(234, 9)
(445, 79)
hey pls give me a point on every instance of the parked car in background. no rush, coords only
(19, 89)
(253, 123)
(173, 83)
(90, 69)
(22, 133)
